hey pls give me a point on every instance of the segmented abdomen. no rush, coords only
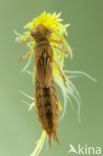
(47, 108)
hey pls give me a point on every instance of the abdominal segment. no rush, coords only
(47, 109)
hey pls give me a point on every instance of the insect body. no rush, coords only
(46, 100)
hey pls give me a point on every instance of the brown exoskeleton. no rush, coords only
(46, 100)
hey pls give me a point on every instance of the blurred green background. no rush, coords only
(19, 128)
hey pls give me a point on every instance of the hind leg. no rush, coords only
(60, 72)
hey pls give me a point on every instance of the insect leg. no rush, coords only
(60, 49)
(61, 74)
(56, 41)
(61, 41)
(27, 54)
(26, 41)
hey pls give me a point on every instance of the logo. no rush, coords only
(90, 150)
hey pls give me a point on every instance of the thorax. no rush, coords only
(43, 50)
(43, 43)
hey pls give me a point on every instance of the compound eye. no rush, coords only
(33, 32)
(48, 32)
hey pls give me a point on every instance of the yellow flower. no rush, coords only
(49, 20)
(52, 21)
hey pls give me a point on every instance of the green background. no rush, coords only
(19, 128)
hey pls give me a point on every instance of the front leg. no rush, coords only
(56, 41)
